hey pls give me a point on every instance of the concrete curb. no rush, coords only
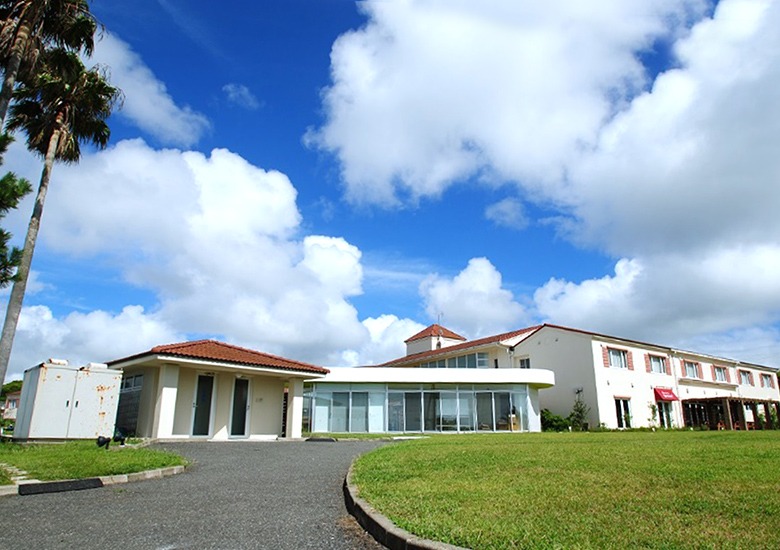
(34, 487)
(381, 528)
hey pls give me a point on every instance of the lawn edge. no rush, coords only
(380, 527)
(94, 482)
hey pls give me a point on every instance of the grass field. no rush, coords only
(80, 459)
(663, 490)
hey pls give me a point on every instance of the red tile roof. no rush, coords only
(434, 331)
(219, 351)
(457, 347)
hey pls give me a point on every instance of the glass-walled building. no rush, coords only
(408, 400)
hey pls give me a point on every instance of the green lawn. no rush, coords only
(348, 436)
(80, 459)
(661, 490)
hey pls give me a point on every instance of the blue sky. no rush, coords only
(321, 178)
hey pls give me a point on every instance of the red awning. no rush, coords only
(662, 394)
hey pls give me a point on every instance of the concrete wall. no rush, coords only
(568, 355)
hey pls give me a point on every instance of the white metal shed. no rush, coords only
(60, 401)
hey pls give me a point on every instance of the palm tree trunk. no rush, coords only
(11, 71)
(23, 272)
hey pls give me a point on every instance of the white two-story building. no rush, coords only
(444, 383)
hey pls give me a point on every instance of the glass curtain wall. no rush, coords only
(416, 409)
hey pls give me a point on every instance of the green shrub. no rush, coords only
(553, 422)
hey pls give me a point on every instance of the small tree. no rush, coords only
(653, 414)
(10, 387)
(578, 418)
(12, 190)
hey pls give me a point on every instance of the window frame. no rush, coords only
(767, 377)
(695, 365)
(662, 361)
(622, 354)
(719, 371)
(745, 377)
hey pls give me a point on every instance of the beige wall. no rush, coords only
(266, 400)
(185, 397)
(265, 418)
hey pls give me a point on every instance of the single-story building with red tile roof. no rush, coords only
(211, 390)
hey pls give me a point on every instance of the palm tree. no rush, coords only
(29, 27)
(63, 106)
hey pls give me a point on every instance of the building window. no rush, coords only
(470, 361)
(691, 369)
(618, 358)
(720, 374)
(664, 413)
(658, 364)
(746, 378)
(623, 410)
(132, 383)
(766, 381)
(524, 363)
(461, 408)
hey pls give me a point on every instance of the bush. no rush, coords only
(553, 422)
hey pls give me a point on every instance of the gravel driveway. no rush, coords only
(236, 495)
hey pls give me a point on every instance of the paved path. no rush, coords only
(237, 495)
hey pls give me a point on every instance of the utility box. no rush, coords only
(60, 401)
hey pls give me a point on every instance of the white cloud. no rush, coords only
(240, 95)
(147, 103)
(690, 164)
(80, 338)
(474, 303)
(755, 344)
(387, 334)
(674, 299)
(508, 212)
(430, 92)
(674, 178)
(217, 241)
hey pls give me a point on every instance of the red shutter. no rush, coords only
(728, 376)
(750, 374)
(630, 356)
(605, 354)
(669, 366)
(647, 363)
(713, 373)
(698, 371)
(771, 382)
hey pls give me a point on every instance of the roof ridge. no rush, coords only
(435, 330)
(183, 344)
(264, 354)
(465, 345)
(222, 351)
